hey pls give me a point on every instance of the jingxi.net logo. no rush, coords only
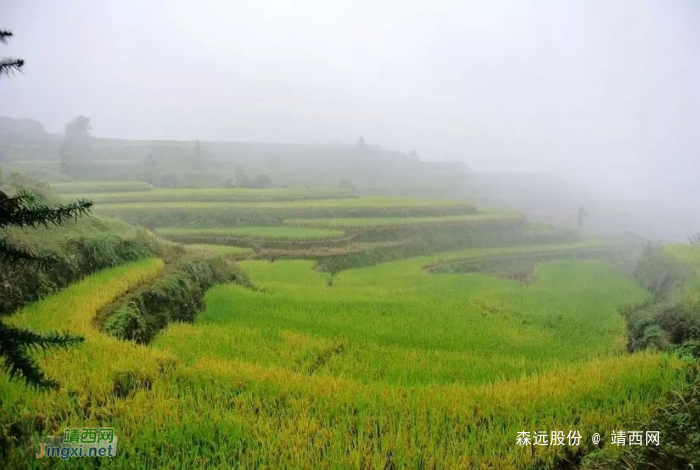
(80, 442)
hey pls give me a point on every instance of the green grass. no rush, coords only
(215, 195)
(372, 222)
(295, 233)
(388, 366)
(93, 187)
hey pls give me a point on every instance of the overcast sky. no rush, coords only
(606, 91)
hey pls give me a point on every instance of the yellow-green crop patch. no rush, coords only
(359, 223)
(284, 232)
(359, 202)
(220, 249)
(225, 214)
(478, 253)
(215, 195)
(91, 188)
(688, 254)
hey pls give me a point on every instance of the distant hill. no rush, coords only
(22, 131)
(192, 164)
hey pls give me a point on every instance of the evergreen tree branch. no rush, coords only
(9, 66)
(21, 211)
(28, 197)
(12, 254)
(15, 346)
(5, 35)
(25, 210)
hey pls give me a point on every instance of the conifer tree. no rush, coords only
(25, 209)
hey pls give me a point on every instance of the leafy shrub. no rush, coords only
(694, 239)
(177, 296)
(666, 320)
(347, 185)
(126, 323)
(679, 320)
(689, 350)
(659, 272)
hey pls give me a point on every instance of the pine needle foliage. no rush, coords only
(24, 209)
(17, 345)
(9, 65)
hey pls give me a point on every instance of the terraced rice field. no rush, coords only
(92, 189)
(349, 351)
(220, 249)
(349, 203)
(233, 208)
(205, 194)
(355, 223)
(388, 365)
(295, 233)
(477, 315)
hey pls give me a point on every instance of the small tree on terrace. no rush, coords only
(149, 168)
(25, 209)
(262, 181)
(76, 143)
(347, 185)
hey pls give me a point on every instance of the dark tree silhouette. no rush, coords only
(24, 209)
(581, 216)
(262, 181)
(197, 151)
(347, 185)
(9, 65)
(78, 129)
(76, 143)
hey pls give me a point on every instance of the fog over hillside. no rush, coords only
(600, 94)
